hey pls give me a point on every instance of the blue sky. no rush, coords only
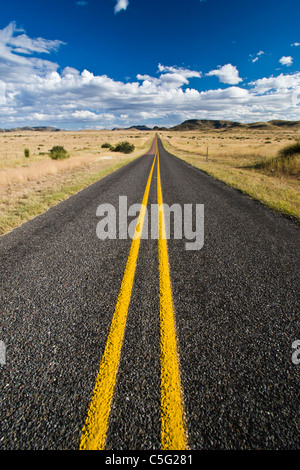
(106, 63)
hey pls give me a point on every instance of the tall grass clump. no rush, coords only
(286, 162)
(58, 152)
(290, 150)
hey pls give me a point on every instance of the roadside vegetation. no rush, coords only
(29, 186)
(264, 165)
(123, 147)
(286, 162)
(58, 152)
(261, 164)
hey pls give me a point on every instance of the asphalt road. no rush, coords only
(236, 307)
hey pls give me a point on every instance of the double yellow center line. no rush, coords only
(173, 431)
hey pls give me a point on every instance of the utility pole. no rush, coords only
(207, 154)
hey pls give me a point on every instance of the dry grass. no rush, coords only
(84, 148)
(236, 157)
(29, 186)
(287, 162)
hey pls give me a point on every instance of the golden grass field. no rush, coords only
(29, 186)
(233, 156)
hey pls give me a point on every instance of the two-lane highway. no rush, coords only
(142, 344)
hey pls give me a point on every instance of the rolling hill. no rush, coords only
(206, 124)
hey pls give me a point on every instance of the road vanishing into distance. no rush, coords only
(137, 343)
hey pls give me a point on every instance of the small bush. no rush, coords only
(106, 145)
(58, 153)
(26, 153)
(124, 147)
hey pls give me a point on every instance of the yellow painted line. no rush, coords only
(173, 430)
(95, 428)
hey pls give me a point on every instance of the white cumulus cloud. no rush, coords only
(121, 5)
(23, 43)
(286, 60)
(227, 74)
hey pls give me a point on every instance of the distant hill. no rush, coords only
(258, 125)
(137, 128)
(214, 124)
(140, 128)
(189, 125)
(207, 124)
(24, 129)
(279, 123)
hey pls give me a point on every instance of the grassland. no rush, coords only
(247, 160)
(30, 186)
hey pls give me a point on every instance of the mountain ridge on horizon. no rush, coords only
(188, 125)
(216, 124)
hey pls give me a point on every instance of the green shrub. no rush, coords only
(26, 153)
(58, 153)
(106, 145)
(124, 147)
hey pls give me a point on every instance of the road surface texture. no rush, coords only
(235, 304)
